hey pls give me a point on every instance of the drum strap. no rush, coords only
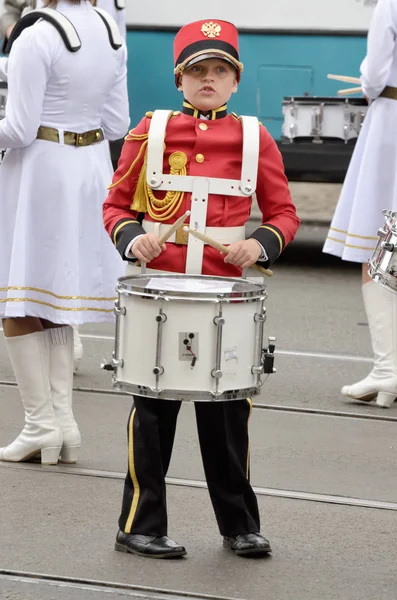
(201, 187)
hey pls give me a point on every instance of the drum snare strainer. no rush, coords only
(190, 337)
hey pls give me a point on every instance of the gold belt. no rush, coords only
(69, 137)
(389, 92)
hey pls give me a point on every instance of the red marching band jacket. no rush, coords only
(213, 148)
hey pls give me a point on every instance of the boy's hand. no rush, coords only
(244, 254)
(147, 247)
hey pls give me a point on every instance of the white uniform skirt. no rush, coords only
(370, 186)
(56, 260)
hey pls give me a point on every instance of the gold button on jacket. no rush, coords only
(199, 158)
(203, 126)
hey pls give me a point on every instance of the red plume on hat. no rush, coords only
(206, 39)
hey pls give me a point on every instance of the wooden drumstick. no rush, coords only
(171, 231)
(355, 90)
(174, 227)
(224, 249)
(344, 78)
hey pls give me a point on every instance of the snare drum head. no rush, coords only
(189, 285)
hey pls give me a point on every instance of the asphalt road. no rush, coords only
(324, 469)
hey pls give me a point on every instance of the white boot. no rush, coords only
(78, 349)
(61, 380)
(381, 383)
(29, 355)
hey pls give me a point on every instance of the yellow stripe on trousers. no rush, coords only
(131, 468)
(249, 400)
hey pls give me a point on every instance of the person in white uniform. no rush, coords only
(58, 266)
(371, 186)
(13, 10)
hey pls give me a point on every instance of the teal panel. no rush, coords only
(292, 58)
(274, 83)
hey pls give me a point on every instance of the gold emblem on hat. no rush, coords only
(211, 29)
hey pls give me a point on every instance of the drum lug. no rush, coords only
(317, 120)
(158, 370)
(387, 246)
(217, 373)
(115, 363)
(119, 310)
(260, 317)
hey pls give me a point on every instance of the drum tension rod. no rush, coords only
(268, 356)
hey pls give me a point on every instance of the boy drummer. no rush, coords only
(204, 146)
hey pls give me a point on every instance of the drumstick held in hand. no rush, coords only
(171, 231)
(224, 249)
(174, 227)
(344, 78)
(355, 90)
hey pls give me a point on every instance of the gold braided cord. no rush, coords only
(124, 177)
(145, 199)
(162, 210)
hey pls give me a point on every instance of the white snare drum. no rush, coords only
(383, 264)
(181, 337)
(317, 119)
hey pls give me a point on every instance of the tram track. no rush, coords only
(97, 586)
(197, 484)
(256, 405)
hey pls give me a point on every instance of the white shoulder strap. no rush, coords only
(60, 22)
(119, 4)
(115, 39)
(251, 140)
(155, 148)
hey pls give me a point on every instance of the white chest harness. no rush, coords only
(201, 187)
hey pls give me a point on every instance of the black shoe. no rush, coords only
(247, 543)
(148, 545)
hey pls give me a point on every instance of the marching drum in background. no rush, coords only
(3, 101)
(383, 264)
(322, 119)
(181, 337)
(3, 98)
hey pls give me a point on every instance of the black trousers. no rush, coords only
(223, 435)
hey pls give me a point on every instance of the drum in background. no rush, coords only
(383, 264)
(188, 337)
(3, 98)
(317, 119)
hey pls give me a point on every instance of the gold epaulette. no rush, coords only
(238, 118)
(136, 137)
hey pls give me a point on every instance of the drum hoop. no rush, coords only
(326, 100)
(186, 395)
(257, 291)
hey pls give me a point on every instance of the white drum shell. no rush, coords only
(312, 118)
(136, 344)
